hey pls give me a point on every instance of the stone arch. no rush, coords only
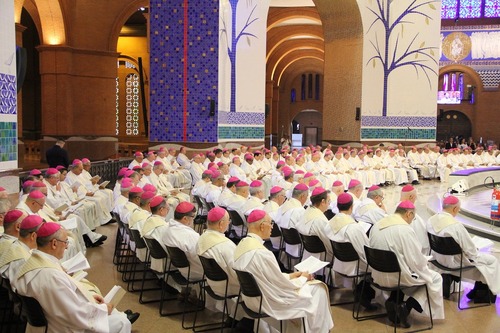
(52, 21)
(282, 15)
(465, 69)
(280, 70)
(120, 20)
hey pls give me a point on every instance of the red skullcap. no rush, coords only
(157, 200)
(256, 215)
(301, 187)
(318, 191)
(344, 198)
(12, 216)
(48, 229)
(184, 207)
(216, 214)
(337, 183)
(407, 188)
(407, 204)
(256, 183)
(276, 189)
(450, 200)
(354, 183)
(31, 221)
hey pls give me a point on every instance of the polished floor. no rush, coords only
(485, 319)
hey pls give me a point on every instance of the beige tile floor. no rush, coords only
(105, 275)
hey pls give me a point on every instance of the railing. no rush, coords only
(107, 169)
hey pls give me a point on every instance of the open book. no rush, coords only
(69, 224)
(310, 265)
(104, 184)
(75, 264)
(61, 208)
(115, 295)
(482, 243)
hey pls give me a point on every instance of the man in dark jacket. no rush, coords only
(57, 155)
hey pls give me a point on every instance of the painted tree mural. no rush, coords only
(394, 50)
(235, 38)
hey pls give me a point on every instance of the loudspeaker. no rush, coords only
(441, 115)
(358, 113)
(212, 108)
(21, 65)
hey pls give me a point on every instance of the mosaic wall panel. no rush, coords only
(249, 133)
(8, 94)
(8, 141)
(178, 115)
(399, 134)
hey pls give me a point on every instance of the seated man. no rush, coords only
(285, 296)
(371, 209)
(394, 233)
(444, 224)
(67, 304)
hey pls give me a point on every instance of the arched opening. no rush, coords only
(309, 124)
(453, 123)
(31, 90)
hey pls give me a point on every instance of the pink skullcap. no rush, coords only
(318, 191)
(149, 188)
(241, 184)
(216, 174)
(308, 174)
(126, 182)
(328, 152)
(276, 189)
(225, 150)
(257, 152)
(299, 172)
(256, 215)
(156, 201)
(122, 172)
(369, 151)
(450, 200)
(301, 187)
(146, 195)
(313, 182)
(373, 188)
(151, 152)
(248, 156)
(162, 149)
(337, 183)
(208, 173)
(136, 189)
(171, 149)
(233, 179)
(407, 204)
(28, 183)
(145, 165)
(31, 221)
(60, 167)
(85, 160)
(344, 198)
(361, 152)
(184, 207)
(210, 154)
(76, 161)
(280, 162)
(138, 154)
(213, 169)
(287, 171)
(407, 188)
(48, 229)
(219, 164)
(156, 163)
(445, 151)
(136, 167)
(256, 183)
(235, 158)
(35, 172)
(211, 164)
(38, 184)
(12, 216)
(354, 183)
(51, 171)
(2, 189)
(216, 214)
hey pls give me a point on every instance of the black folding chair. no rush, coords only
(214, 272)
(345, 252)
(250, 288)
(236, 221)
(179, 259)
(33, 312)
(329, 214)
(449, 247)
(314, 245)
(139, 266)
(122, 250)
(291, 237)
(201, 217)
(387, 262)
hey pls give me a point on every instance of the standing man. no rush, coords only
(56, 155)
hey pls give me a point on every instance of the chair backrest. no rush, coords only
(382, 260)
(276, 232)
(177, 257)
(200, 202)
(118, 220)
(248, 285)
(291, 236)
(344, 251)
(313, 244)
(155, 249)
(236, 218)
(212, 269)
(139, 241)
(33, 311)
(444, 245)
(329, 214)
(210, 205)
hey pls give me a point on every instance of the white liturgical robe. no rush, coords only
(283, 298)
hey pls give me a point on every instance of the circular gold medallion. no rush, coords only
(456, 46)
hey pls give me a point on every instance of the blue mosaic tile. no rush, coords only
(8, 94)
(244, 132)
(398, 134)
(379, 121)
(8, 141)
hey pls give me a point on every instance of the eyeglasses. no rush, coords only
(271, 223)
(66, 242)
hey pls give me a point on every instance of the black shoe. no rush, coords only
(88, 242)
(403, 316)
(477, 286)
(100, 241)
(446, 285)
(128, 312)
(390, 307)
(133, 317)
(415, 182)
